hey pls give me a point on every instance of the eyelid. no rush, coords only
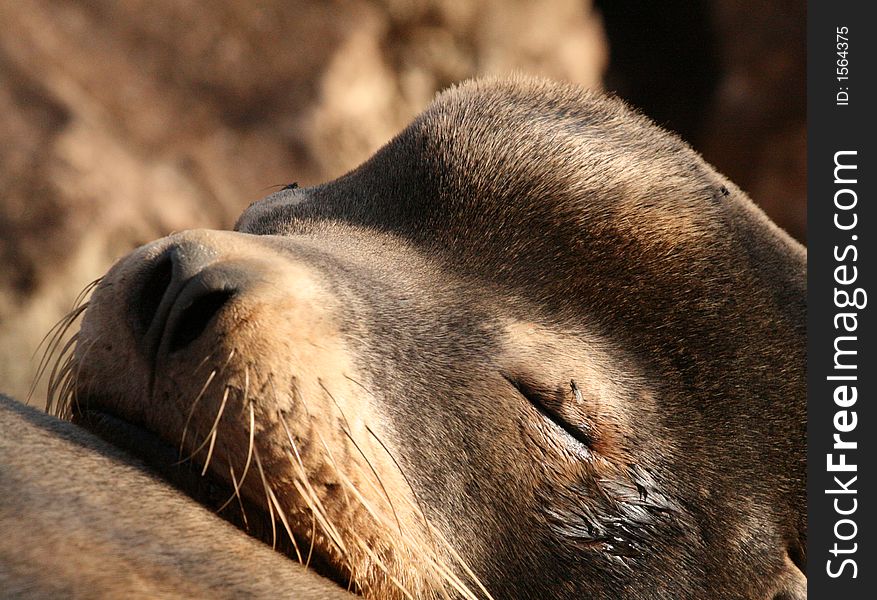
(539, 400)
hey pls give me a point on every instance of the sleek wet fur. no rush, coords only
(534, 348)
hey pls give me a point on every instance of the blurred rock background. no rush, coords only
(123, 121)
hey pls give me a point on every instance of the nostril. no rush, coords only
(195, 317)
(153, 291)
(176, 293)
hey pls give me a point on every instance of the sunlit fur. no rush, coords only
(534, 348)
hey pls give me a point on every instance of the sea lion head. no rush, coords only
(534, 348)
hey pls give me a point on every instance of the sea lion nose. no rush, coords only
(177, 293)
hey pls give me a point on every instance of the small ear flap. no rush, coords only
(792, 583)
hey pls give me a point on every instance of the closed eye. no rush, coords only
(545, 402)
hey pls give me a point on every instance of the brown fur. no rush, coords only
(80, 519)
(535, 347)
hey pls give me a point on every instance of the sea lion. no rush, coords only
(535, 347)
(81, 519)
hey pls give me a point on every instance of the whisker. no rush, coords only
(59, 329)
(348, 484)
(377, 561)
(213, 431)
(319, 435)
(432, 531)
(75, 310)
(202, 363)
(63, 379)
(65, 351)
(319, 514)
(418, 506)
(318, 511)
(271, 516)
(87, 290)
(57, 381)
(63, 360)
(433, 561)
(313, 539)
(192, 410)
(445, 572)
(359, 497)
(69, 395)
(56, 333)
(237, 495)
(249, 445)
(273, 498)
(348, 432)
(310, 496)
(447, 545)
(200, 395)
(406, 545)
